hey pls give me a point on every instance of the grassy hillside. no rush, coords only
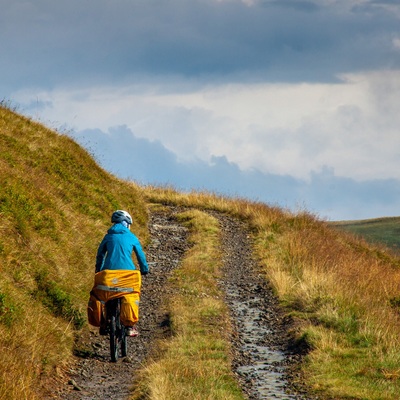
(379, 230)
(55, 205)
(342, 293)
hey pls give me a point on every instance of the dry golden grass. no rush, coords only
(343, 293)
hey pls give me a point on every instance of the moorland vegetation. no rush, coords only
(379, 231)
(55, 201)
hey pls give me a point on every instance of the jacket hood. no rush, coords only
(118, 228)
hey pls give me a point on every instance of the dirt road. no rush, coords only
(262, 360)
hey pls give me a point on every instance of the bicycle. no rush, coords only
(118, 342)
(115, 293)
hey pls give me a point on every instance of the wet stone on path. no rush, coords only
(260, 342)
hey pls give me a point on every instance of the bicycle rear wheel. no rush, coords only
(113, 318)
(118, 340)
(113, 339)
(123, 343)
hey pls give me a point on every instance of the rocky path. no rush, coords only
(261, 359)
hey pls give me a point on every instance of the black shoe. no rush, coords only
(104, 330)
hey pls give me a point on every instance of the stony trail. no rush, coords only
(261, 360)
(264, 361)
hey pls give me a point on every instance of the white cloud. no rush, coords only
(396, 43)
(295, 129)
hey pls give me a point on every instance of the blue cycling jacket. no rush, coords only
(115, 250)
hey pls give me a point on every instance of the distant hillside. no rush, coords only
(55, 205)
(384, 231)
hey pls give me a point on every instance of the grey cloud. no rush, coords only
(326, 195)
(383, 2)
(129, 157)
(55, 43)
(345, 198)
(299, 5)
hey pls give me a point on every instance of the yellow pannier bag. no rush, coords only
(110, 284)
(130, 309)
(113, 283)
(94, 310)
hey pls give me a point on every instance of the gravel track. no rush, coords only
(262, 359)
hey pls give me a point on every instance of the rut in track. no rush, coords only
(261, 359)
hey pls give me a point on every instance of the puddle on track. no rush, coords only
(264, 370)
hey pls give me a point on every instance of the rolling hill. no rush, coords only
(384, 231)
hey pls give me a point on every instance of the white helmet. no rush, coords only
(120, 216)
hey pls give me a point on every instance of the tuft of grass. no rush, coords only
(57, 300)
(195, 363)
(8, 310)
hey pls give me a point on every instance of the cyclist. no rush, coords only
(115, 251)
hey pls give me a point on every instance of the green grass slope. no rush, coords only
(55, 205)
(384, 231)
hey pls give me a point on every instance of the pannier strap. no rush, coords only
(114, 289)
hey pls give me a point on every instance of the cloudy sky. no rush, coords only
(290, 102)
